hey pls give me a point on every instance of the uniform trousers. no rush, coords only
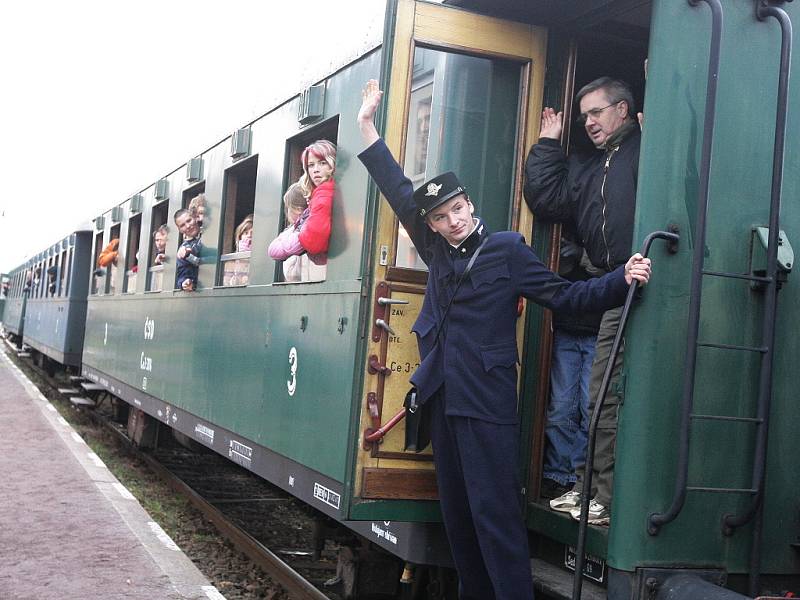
(606, 438)
(478, 477)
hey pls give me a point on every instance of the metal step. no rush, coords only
(23, 354)
(68, 391)
(76, 378)
(557, 582)
(92, 387)
(81, 401)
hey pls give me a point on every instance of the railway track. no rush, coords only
(225, 495)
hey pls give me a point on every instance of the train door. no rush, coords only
(463, 94)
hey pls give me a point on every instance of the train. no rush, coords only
(292, 380)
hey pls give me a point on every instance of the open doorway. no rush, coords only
(611, 44)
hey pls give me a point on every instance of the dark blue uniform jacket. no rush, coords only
(477, 350)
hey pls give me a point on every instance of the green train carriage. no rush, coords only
(14, 306)
(287, 379)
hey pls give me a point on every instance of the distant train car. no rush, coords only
(5, 283)
(15, 300)
(55, 316)
(290, 379)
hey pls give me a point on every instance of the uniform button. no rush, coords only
(463, 250)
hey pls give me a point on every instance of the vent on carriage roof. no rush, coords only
(240, 143)
(194, 169)
(162, 189)
(136, 202)
(312, 104)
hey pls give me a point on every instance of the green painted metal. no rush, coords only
(14, 309)
(55, 324)
(563, 528)
(234, 373)
(223, 354)
(396, 510)
(726, 381)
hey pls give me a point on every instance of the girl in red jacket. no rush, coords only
(312, 231)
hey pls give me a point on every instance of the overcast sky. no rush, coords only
(100, 99)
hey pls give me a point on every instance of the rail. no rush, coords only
(580, 547)
(765, 9)
(657, 520)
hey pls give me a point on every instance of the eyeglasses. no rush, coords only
(594, 113)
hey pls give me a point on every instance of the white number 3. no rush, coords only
(291, 385)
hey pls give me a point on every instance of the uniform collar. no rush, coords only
(466, 248)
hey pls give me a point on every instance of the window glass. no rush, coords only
(295, 212)
(113, 269)
(463, 118)
(62, 285)
(158, 244)
(132, 253)
(98, 273)
(237, 222)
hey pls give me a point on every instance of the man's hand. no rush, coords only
(183, 251)
(637, 268)
(370, 99)
(552, 124)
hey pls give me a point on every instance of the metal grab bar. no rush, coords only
(765, 9)
(601, 395)
(656, 520)
(375, 435)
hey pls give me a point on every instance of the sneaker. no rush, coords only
(566, 502)
(552, 489)
(598, 514)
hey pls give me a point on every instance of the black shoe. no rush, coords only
(552, 489)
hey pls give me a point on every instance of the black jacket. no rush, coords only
(596, 191)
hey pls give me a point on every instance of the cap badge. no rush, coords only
(433, 189)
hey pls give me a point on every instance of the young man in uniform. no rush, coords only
(467, 378)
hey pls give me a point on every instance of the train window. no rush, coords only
(66, 277)
(157, 254)
(52, 277)
(302, 267)
(37, 280)
(62, 283)
(194, 198)
(237, 222)
(113, 268)
(98, 273)
(462, 117)
(132, 253)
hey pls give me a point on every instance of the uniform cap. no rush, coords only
(436, 191)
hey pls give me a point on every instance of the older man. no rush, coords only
(598, 193)
(467, 378)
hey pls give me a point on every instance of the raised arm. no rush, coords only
(386, 173)
(547, 187)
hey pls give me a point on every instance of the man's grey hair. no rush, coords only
(616, 90)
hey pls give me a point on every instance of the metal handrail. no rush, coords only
(598, 406)
(730, 522)
(656, 520)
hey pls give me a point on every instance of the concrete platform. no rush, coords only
(68, 527)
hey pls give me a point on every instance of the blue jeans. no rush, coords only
(568, 411)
